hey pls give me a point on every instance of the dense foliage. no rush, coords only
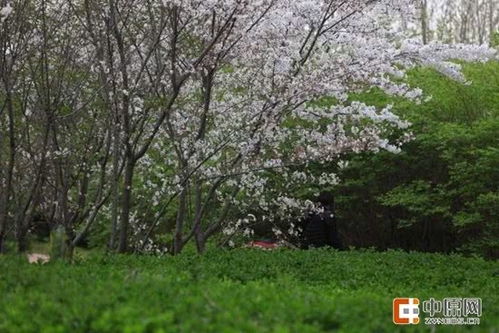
(442, 191)
(237, 291)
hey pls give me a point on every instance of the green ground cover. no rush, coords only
(238, 291)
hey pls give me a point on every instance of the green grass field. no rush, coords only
(239, 291)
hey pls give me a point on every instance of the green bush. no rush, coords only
(441, 193)
(238, 291)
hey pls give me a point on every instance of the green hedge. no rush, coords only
(237, 291)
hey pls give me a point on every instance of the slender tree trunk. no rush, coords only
(129, 154)
(21, 235)
(424, 21)
(3, 206)
(125, 206)
(115, 189)
(22, 242)
(200, 242)
(178, 242)
(5, 197)
(69, 248)
(491, 19)
(2, 243)
(3, 218)
(198, 233)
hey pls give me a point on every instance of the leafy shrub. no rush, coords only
(439, 194)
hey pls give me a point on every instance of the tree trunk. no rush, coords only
(200, 242)
(125, 206)
(424, 21)
(22, 240)
(2, 241)
(491, 19)
(178, 242)
(115, 188)
(3, 219)
(5, 197)
(3, 208)
(61, 246)
(2, 244)
(69, 248)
